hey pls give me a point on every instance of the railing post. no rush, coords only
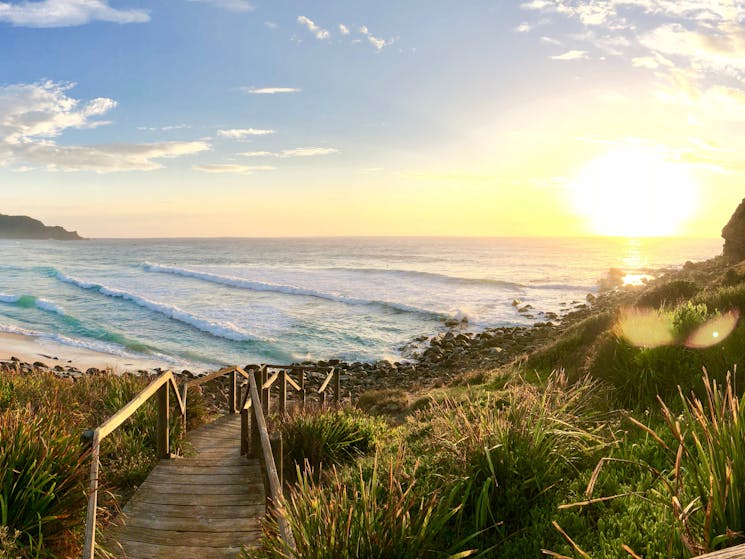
(302, 389)
(233, 392)
(265, 393)
(184, 392)
(163, 446)
(282, 392)
(245, 431)
(278, 455)
(337, 386)
(322, 395)
(255, 442)
(90, 520)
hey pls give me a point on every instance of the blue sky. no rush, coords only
(206, 117)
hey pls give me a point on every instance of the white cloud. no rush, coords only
(269, 90)
(296, 152)
(32, 116)
(167, 128)
(550, 40)
(571, 55)
(317, 31)
(271, 25)
(343, 29)
(230, 5)
(67, 13)
(232, 168)
(377, 42)
(243, 133)
(524, 27)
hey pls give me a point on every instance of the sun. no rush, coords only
(631, 192)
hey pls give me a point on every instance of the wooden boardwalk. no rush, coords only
(203, 507)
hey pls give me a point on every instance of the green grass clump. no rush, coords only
(326, 438)
(42, 476)
(376, 514)
(506, 455)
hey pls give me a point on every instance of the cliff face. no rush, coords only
(24, 227)
(734, 235)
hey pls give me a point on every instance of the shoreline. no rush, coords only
(33, 350)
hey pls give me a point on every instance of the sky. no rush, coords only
(160, 118)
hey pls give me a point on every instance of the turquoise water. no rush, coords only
(220, 301)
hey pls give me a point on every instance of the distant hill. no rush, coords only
(24, 227)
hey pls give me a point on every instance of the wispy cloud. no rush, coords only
(296, 152)
(319, 32)
(269, 90)
(343, 29)
(377, 42)
(33, 116)
(230, 5)
(167, 128)
(243, 133)
(232, 168)
(271, 25)
(571, 55)
(67, 13)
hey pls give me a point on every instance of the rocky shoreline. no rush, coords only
(439, 359)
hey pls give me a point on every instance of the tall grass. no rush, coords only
(42, 475)
(707, 489)
(505, 454)
(376, 514)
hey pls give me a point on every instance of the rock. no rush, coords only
(24, 227)
(590, 298)
(516, 302)
(734, 235)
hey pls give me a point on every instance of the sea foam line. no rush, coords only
(98, 347)
(242, 283)
(225, 330)
(30, 300)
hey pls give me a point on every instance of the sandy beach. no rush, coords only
(31, 350)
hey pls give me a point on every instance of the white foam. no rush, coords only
(48, 306)
(242, 283)
(225, 330)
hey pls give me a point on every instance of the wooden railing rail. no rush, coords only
(160, 387)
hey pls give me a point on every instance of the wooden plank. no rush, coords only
(735, 552)
(195, 500)
(196, 490)
(178, 537)
(162, 478)
(193, 524)
(140, 550)
(148, 510)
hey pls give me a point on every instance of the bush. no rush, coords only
(668, 294)
(375, 514)
(42, 476)
(321, 438)
(505, 456)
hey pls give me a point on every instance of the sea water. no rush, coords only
(205, 302)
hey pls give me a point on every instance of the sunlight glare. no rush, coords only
(630, 192)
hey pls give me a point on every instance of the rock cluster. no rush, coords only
(734, 235)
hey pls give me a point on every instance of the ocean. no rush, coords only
(200, 303)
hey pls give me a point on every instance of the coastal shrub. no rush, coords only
(571, 348)
(376, 514)
(506, 455)
(42, 476)
(383, 401)
(724, 299)
(323, 438)
(687, 317)
(668, 294)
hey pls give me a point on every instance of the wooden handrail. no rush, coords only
(275, 489)
(159, 386)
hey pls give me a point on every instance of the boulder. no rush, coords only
(734, 235)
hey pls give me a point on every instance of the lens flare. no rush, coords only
(713, 331)
(645, 327)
